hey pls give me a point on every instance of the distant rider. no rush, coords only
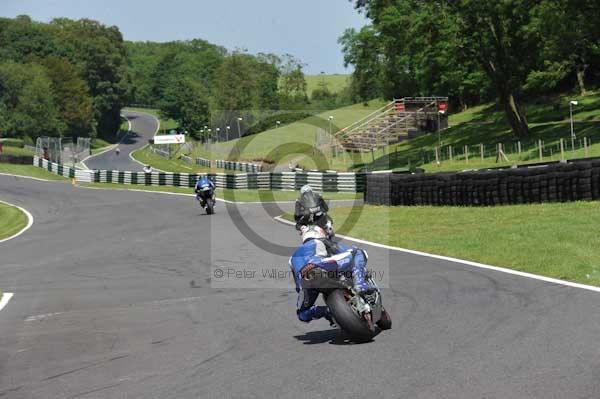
(204, 189)
(148, 169)
(318, 251)
(311, 209)
(118, 151)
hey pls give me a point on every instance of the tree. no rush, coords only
(27, 101)
(71, 95)
(98, 53)
(185, 101)
(570, 37)
(267, 66)
(293, 84)
(494, 34)
(236, 86)
(363, 50)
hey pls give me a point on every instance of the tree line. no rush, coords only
(71, 78)
(200, 84)
(475, 51)
(65, 78)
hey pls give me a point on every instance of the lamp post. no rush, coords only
(439, 128)
(571, 103)
(239, 119)
(227, 132)
(218, 133)
(210, 135)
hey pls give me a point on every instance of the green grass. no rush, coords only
(30, 171)
(554, 240)
(12, 220)
(147, 157)
(238, 195)
(335, 83)
(293, 141)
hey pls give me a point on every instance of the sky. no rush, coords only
(307, 29)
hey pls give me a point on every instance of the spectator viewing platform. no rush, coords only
(401, 119)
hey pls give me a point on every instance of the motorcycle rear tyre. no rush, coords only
(346, 318)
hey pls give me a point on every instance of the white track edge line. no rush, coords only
(5, 298)
(24, 229)
(464, 262)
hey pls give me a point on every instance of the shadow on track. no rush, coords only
(333, 336)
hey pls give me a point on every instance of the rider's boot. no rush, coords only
(313, 313)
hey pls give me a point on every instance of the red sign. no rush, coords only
(443, 107)
(400, 107)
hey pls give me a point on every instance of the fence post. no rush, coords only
(540, 150)
(519, 148)
(562, 150)
(585, 146)
(481, 147)
(437, 157)
(467, 153)
(450, 152)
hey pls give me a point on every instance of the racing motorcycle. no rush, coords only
(206, 198)
(361, 316)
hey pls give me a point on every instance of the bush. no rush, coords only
(12, 142)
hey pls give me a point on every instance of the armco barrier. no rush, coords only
(203, 162)
(329, 182)
(549, 183)
(57, 169)
(242, 166)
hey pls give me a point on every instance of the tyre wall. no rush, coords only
(550, 183)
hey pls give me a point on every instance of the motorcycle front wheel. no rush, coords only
(347, 318)
(210, 207)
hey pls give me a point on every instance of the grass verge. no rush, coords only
(554, 240)
(147, 157)
(238, 195)
(12, 220)
(29, 171)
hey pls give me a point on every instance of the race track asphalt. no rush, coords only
(143, 128)
(113, 299)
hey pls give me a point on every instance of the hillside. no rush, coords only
(335, 83)
(548, 121)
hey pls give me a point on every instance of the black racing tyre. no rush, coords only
(209, 207)
(385, 323)
(346, 318)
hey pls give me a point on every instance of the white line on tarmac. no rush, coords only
(24, 229)
(5, 298)
(464, 262)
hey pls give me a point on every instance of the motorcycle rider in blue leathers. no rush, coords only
(201, 185)
(317, 250)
